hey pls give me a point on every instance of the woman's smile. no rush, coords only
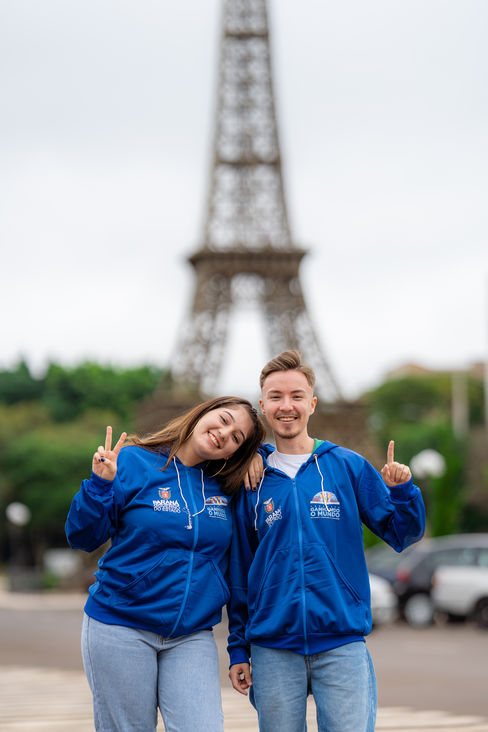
(213, 439)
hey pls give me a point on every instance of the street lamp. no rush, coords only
(18, 515)
(428, 464)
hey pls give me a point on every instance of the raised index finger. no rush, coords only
(391, 452)
(108, 439)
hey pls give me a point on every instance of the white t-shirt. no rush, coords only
(289, 464)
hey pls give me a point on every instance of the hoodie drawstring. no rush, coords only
(190, 515)
(203, 495)
(324, 494)
(257, 501)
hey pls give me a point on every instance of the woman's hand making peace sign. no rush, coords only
(105, 459)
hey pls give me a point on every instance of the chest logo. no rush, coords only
(216, 506)
(273, 514)
(165, 503)
(325, 505)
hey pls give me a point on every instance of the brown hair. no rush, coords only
(287, 361)
(230, 472)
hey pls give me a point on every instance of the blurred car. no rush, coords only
(410, 572)
(462, 592)
(384, 602)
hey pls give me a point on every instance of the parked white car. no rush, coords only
(384, 602)
(462, 592)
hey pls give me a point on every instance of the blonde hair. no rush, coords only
(170, 438)
(287, 361)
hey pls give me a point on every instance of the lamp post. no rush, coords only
(18, 515)
(428, 464)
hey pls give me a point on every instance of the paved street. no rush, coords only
(428, 680)
(34, 699)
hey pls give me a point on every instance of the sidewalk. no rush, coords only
(47, 700)
(54, 700)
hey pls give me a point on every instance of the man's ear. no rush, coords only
(261, 405)
(313, 405)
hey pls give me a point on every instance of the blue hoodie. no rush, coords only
(170, 535)
(298, 574)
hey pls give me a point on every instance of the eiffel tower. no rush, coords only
(247, 253)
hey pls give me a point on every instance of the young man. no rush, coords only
(300, 588)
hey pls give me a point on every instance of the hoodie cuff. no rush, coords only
(100, 485)
(238, 655)
(403, 491)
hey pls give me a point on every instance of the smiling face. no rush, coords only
(217, 435)
(287, 403)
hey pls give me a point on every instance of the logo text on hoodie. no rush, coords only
(272, 514)
(325, 505)
(165, 503)
(216, 506)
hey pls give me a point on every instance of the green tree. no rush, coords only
(43, 468)
(70, 392)
(416, 412)
(49, 429)
(18, 385)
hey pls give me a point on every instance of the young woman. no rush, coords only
(164, 501)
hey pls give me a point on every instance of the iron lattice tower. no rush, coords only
(248, 252)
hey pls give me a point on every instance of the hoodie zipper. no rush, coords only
(302, 568)
(300, 545)
(311, 460)
(192, 555)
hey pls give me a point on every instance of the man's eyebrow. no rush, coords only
(293, 391)
(234, 419)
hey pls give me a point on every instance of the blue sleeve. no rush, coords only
(265, 449)
(243, 547)
(94, 512)
(396, 515)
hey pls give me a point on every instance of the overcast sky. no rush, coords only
(106, 131)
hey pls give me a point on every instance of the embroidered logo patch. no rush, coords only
(273, 514)
(325, 505)
(165, 503)
(217, 501)
(216, 506)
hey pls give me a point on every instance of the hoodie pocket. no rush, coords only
(207, 594)
(155, 596)
(141, 577)
(333, 605)
(275, 608)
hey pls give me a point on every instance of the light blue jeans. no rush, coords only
(133, 672)
(342, 681)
